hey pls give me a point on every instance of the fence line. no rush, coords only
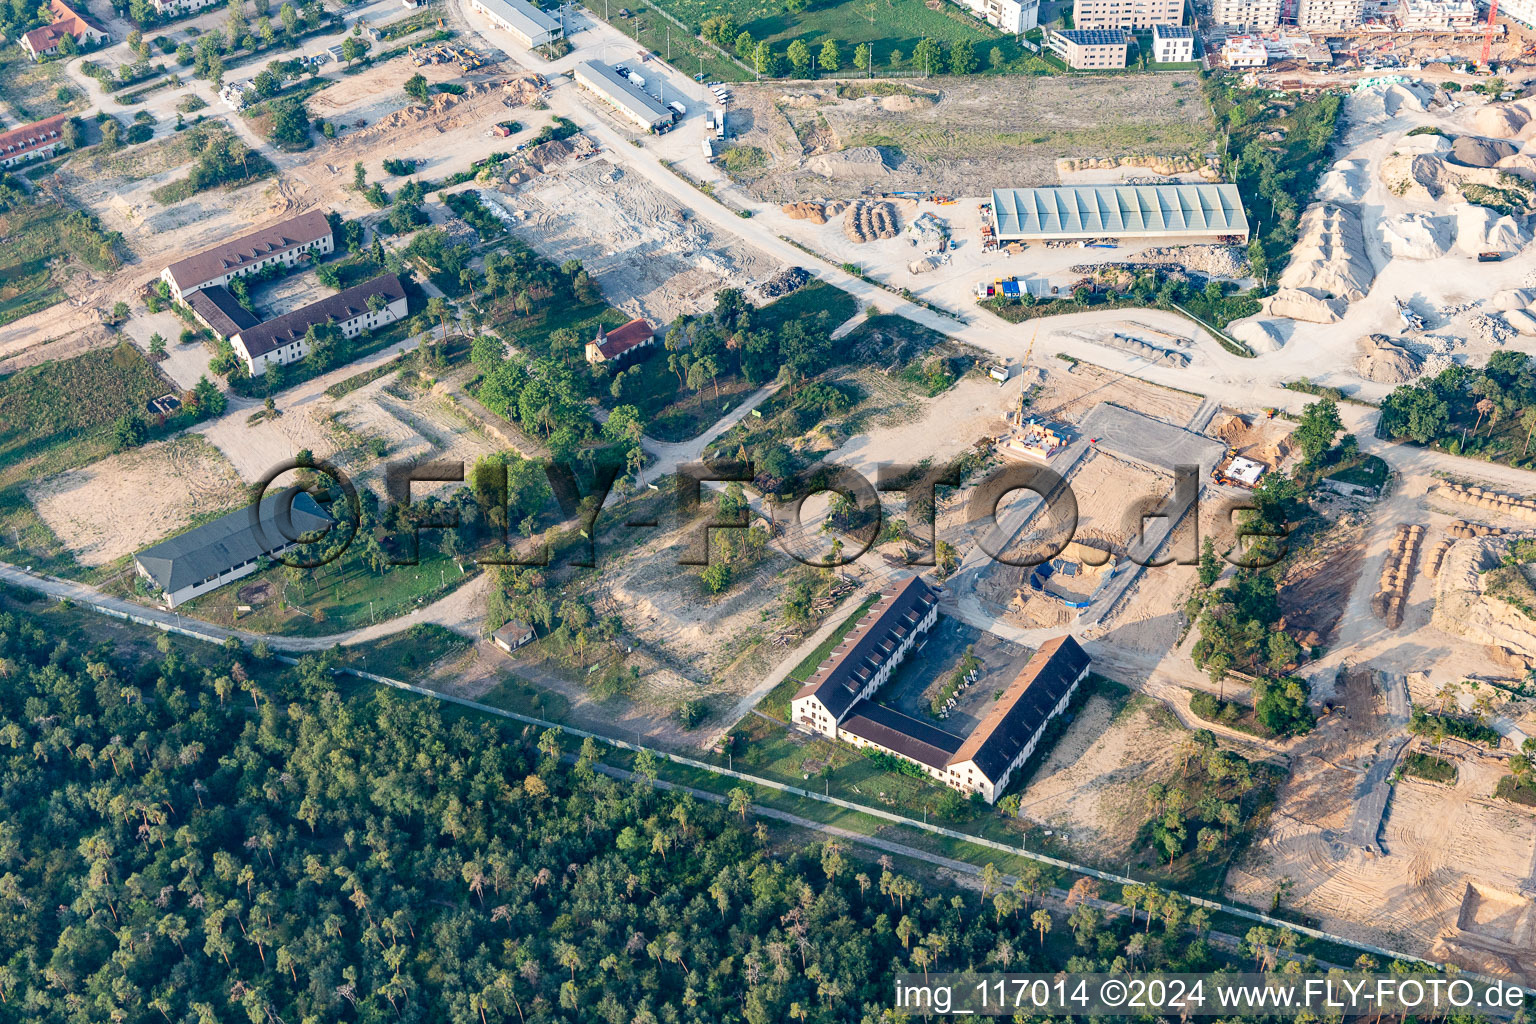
(1056, 862)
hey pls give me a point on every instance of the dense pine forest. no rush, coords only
(194, 835)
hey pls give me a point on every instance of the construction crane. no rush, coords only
(1493, 9)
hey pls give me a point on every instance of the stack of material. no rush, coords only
(1492, 501)
(1385, 361)
(1329, 267)
(1396, 575)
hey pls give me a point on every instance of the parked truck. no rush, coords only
(682, 111)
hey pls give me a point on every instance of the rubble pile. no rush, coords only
(1490, 328)
(1384, 361)
(868, 220)
(788, 280)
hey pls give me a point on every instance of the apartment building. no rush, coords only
(285, 242)
(1126, 14)
(1013, 16)
(1249, 15)
(1090, 48)
(1322, 15)
(1172, 44)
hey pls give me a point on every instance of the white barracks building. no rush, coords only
(836, 702)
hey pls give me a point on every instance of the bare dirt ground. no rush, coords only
(1315, 587)
(1109, 491)
(120, 504)
(962, 137)
(1093, 784)
(651, 257)
(412, 422)
(1070, 391)
(1436, 839)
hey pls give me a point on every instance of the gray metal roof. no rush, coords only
(221, 311)
(233, 539)
(523, 16)
(904, 734)
(884, 628)
(622, 91)
(1091, 211)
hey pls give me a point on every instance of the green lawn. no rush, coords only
(36, 91)
(343, 595)
(886, 24)
(406, 654)
(41, 237)
(815, 296)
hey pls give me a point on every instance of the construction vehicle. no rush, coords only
(1411, 320)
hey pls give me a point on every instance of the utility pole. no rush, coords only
(669, 42)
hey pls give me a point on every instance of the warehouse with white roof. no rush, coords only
(1066, 213)
(623, 95)
(525, 22)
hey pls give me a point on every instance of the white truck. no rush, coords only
(682, 111)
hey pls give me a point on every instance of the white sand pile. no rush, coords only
(1434, 145)
(859, 162)
(1479, 229)
(1515, 120)
(1346, 181)
(1471, 151)
(1385, 361)
(1387, 101)
(1263, 335)
(1522, 320)
(1521, 165)
(1514, 298)
(1418, 236)
(1329, 267)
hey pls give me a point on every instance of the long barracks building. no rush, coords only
(837, 701)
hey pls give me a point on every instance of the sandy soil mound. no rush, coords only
(1470, 151)
(1514, 298)
(816, 213)
(1346, 181)
(1418, 236)
(1262, 335)
(1329, 267)
(867, 221)
(1465, 608)
(1521, 165)
(1506, 120)
(1522, 320)
(1388, 101)
(1385, 361)
(1479, 229)
(860, 162)
(904, 104)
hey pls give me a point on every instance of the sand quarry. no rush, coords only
(1392, 222)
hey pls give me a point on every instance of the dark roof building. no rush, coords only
(227, 548)
(901, 734)
(253, 251)
(339, 308)
(864, 659)
(1007, 735)
(217, 307)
